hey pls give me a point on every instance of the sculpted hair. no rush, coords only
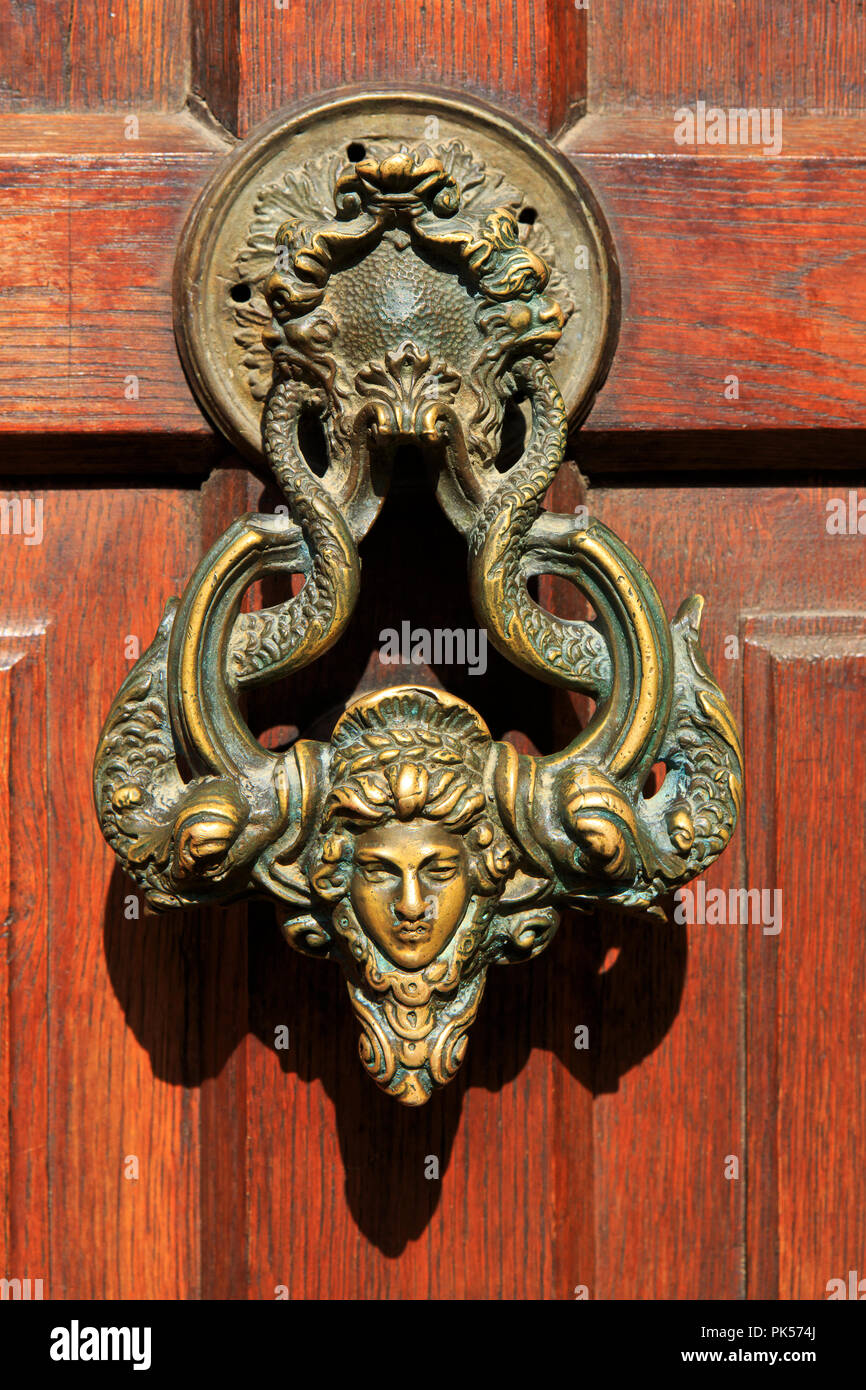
(402, 759)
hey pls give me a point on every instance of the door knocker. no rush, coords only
(371, 263)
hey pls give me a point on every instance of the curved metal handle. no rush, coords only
(411, 847)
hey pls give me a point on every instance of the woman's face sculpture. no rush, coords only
(410, 888)
(408, 835)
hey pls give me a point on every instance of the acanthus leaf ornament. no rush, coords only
(400, 300)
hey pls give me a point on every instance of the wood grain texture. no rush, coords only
(806, 1105)
(808, 58)
(5, 912)
(743, 268)
(216, 59)
(250, 58)
(104, 53)
(223, 946)
(88, 983)
(668, 1222)
(26, 1141)
(509, 1214)
(89, 135)
(652, 133)
(86, 320)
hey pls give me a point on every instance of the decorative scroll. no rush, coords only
(412, 848)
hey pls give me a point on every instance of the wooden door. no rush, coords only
(708, 1142)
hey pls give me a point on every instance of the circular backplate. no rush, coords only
(288, 168)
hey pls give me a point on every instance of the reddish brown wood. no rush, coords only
(215, 54)
(652, 133)
(727, 271)
(343, 1162)
(89, 56)
(89, 251)
(224, 1025)
(87, 136)
(249, 58)
(805, 58)
(100, 1004)
(5, 911)
(27, 1152)
(806, 1109)
(662, 1134)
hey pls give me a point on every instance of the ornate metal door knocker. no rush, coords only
(392, 289)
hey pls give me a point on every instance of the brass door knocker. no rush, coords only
(392, 289)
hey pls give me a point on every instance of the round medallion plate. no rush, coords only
(288, 168)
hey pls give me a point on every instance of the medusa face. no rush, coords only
(410, 887)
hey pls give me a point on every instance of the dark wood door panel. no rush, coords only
(79, 1088)
(804, 58)
(673, 1123)
(805, 696)
(25, 1150)
(84, 57)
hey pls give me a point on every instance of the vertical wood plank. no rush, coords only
(58, 53)
(124, 996)
(249, 58)
(761, 740)
(807, 59)
(668, 1223)
(25, 1134)
(806, 1100)
(215, 57)
(118, 1041)
(223, 982)
(5, 922)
